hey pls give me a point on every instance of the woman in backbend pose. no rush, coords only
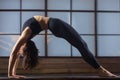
(24, 46)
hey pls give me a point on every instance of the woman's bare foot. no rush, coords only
(105, 73)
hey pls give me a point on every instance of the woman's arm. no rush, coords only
(13, 56)
(15, 69)
(16, 65)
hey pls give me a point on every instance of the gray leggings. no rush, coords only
(63, 30)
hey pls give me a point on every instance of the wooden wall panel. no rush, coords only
(64, 66)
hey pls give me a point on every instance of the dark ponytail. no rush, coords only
(30, 59)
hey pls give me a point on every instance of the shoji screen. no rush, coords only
(97, 22)
(13, 14)
(108, 25)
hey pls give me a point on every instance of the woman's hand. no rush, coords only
(16, 77)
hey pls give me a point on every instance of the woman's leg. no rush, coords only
(64, 30)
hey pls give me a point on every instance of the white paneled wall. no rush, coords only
(83, 22)
(33, 4)
(108, 23)
(9, 22)
(9, 4)
(83, 4)
(109, 5)
(109, 46)
(79, 13)
(59, 4)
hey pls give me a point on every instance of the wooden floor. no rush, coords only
(62, 77)
(63, 69)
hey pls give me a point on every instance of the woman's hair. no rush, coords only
(30, 59)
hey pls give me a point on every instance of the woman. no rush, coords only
(24, 46)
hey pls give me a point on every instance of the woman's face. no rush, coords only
(22, 49)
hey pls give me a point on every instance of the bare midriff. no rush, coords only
(43, 21)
